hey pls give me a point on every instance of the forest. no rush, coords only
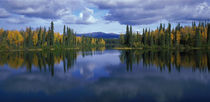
(195, 36)
(41, 38)
(192, 37)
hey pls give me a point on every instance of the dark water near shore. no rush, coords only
(104, 76)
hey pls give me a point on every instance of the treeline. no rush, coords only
(43, 38)
(194, 36)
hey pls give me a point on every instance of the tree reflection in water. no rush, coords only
(163, 60)
(166, 59)
(44, 60)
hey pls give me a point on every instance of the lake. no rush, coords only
(105, 75)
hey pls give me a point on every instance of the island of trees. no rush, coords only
(41, 38)
(195, 37)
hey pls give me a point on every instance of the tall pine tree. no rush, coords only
(39, 37)
(30, 41)
(127, 36)
(169, 34)
(208, 34)
(52, 34)
(130, 37)
(43, 36)
(64, 33)
(197, 38)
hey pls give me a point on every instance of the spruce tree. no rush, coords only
(127, 36)
(151, 40)
(49, 37)
(30, 41)
(52, 34)
(169, 34)
(208, 35)
(122, 39)
(197, 38)
(144, 38)
(130, 37)
(166, 38)
(64, 33)
(138, 37)
(39, 37)
(163, 40)
(43, 36)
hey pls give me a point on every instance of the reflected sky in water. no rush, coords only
(110, 75)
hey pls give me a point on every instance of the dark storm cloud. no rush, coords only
(150, 11)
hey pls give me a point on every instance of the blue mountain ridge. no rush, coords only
(100, 35)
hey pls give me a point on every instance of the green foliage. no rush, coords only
(64, 34)
(39, 37)
(197, 38)
(208, 34)
(46, 39)
(178, 37)
(51, 34)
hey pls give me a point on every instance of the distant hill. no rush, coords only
(100, 35)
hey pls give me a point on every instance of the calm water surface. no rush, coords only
(105, 76)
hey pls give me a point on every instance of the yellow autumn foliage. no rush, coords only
(15, 38)
(35, 38)
(178, 37)
(1, 31)
(93, 41)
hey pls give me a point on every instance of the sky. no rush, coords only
(110, 16)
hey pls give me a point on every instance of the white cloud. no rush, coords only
(85, 17)
(150, 11)
(4, 13)
(19, 20)
(49, 9)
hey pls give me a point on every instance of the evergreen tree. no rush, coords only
(39, 37)
(52, 34)
(30, 41)
(49, 37)
(68, 36)
(64, 33)
(151, 40)
(208, 34)
(138, 37)
(130, 40)
(177, 35)
(127, 36)
(144, 38)
(163, 40)
(43, 36)
(169, 34)
(122, 39)
(161, 27)
(197, 38)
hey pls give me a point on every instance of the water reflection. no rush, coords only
(44, 61)
(165, 60)
(110, 75)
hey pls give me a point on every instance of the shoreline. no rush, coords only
(159, 48)
(38, 49)
(115, 48)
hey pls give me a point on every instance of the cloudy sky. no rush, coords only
(100, 15)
